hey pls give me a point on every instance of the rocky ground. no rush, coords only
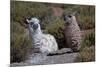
(61, 56)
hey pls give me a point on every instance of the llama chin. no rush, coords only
(45, 43)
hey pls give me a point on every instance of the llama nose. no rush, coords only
(35, 26)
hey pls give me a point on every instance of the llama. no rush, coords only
(72, 32)
(43, 43)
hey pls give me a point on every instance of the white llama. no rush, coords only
(45, 43)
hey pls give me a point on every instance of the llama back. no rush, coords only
(48, 43)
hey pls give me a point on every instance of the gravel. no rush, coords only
(64, 55)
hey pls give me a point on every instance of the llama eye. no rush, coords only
(31, 23)
(69, 16)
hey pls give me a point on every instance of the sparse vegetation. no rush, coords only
(87, 52)
(20, 43)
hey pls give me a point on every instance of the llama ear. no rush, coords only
(27, 20)
(75, 13)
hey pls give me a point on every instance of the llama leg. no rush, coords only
(75, 45)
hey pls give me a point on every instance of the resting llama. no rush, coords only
(72, 32)
(44, 43)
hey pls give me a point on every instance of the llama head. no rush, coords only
(33, 23)
(69, 18)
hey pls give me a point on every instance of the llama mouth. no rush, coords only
(67, 23)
